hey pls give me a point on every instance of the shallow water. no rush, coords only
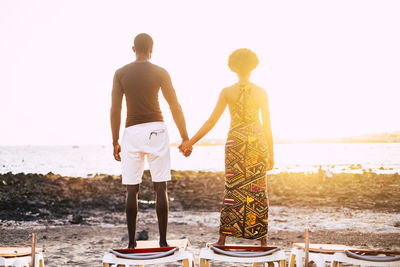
(86, 161)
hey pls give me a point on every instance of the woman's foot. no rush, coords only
(263, 242)
(220, 242)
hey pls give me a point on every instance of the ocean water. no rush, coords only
(86, 161)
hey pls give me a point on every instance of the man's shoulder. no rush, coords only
(132, 65)
(125, 67)
(159, 68)
(120, 70)
(163, 73)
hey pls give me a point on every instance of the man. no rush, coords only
(145, 133)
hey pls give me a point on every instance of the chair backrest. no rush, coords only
(388, 256)
(144, 253)
(244, 253)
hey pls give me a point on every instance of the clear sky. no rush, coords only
(330, 68)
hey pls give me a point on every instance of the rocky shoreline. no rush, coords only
(29, 197)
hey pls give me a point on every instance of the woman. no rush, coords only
(248, 153)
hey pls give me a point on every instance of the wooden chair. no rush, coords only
(149, 252)
(367, 258)
(242, 254)
(318, 254)
(22, 256)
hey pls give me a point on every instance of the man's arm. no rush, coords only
(176, 109)
(115, 115)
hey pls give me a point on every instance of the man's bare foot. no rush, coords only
(263, 242)
(220, 242)
(132, 245)
(163, 244)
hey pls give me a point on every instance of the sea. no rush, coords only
(89, 160)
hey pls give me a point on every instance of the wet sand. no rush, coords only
(85, 244)
(78, 219)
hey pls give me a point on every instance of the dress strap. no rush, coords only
(245, 88)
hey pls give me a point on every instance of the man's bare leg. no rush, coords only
(131, 210)
(162, 206)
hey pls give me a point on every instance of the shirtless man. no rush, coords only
(145, 133)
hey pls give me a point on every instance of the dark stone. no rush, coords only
(142, 235)
(125, 238)
(76, 219)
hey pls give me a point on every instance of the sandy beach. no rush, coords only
(308, 90)
(79, 219)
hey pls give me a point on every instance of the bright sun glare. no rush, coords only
(329, 68)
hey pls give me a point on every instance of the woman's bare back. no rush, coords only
(232, 94)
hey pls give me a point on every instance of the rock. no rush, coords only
(44, 212)
(143, 235)
(125, 238)
(23, 196)
(76, 219)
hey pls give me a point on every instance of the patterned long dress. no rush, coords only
(245, 206)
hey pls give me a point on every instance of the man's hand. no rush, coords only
(117, 151)
(186, 148)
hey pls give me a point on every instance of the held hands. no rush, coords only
(186, 148)
(117, 151)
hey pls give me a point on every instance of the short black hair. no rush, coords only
(143, 43)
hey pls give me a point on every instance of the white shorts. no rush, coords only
(146, 139)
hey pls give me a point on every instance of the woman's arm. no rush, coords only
(267, 128)
(209, 124)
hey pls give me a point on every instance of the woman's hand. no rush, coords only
(186, 148)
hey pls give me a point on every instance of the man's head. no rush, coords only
(143, 44)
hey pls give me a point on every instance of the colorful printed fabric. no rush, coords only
(245, 206)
